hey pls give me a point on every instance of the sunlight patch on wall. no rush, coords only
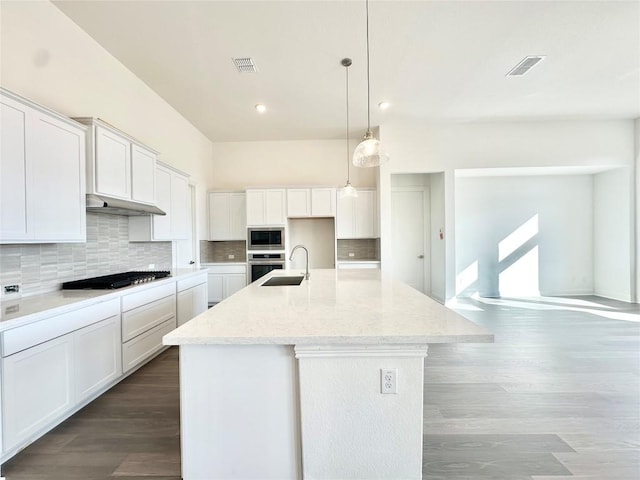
(521, 278)
(467, 277)
(518, 237)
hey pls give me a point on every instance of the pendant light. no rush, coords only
(347, 190)
(369, 153)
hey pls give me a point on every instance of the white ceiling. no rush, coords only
(433, 60)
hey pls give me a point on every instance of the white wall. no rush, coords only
(612, 235)
(49, 59)
(526, 235)
(431, 147)
(286, 163)
(436, 181)
(636, 213)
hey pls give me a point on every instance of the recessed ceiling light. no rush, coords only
(260, 108)
(384, 105)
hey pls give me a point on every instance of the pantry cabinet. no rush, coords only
(227, 216)
(118, 165)
(172, 188)
(357, 217)
(36, 146)
(311, 202)
(266, 207)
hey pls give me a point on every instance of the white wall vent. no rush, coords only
(245, 65)
(525, 65)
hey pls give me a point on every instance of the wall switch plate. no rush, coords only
(11, 291)
(388, 380)
(351, 254)
(152, 266)
(231, 256)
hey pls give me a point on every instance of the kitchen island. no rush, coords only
(287, 382)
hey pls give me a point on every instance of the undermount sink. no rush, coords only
(281, 281)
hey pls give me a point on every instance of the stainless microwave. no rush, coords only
(265, 238)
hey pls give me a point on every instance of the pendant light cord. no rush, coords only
(368, 82)
(348, 162)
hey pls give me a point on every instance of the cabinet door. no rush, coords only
(191, 303)
(179, 207)
(143, 175)
(13, 170)
(97, 356)
(215, 287)
(298, 202)
(365, 214)
(323, 202)
(345, 217)
(219, 216)
(58, 185)
(237, 217)
(113, 164)
(162, 223)
(37, 388)
(256, 200)
(234, 282)
(275, 207)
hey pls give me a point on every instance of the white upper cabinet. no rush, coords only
(358, 217)
(311, 202)
(118, 165)
(227, 216)
(172, 189)
(266, 206)
(143, 169)
(42, 180)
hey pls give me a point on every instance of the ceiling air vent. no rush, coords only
(525, 65)
(245, 65)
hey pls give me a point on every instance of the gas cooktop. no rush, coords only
(116, 280)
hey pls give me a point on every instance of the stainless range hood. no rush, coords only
(117, 206)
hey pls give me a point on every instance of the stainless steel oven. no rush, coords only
(262, 263)
(265, 238)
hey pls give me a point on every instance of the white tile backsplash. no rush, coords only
(42, 267)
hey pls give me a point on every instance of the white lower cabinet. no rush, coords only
(97, 357)
(146, 317)
(192, 298)
(225, 280)
(38, 388)
(42, 381)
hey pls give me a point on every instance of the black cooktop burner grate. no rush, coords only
(116, 280)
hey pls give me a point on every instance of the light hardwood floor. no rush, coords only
(557, 396)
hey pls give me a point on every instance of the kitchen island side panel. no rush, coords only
(239, 412)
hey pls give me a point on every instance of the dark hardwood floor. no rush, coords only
(556, 397)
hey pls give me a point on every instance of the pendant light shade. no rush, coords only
(347, 190)
(369, 153)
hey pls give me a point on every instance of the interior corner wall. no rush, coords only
(524, 235)
(437, 243)
(47, 58)
(237, 165)
(612, 234)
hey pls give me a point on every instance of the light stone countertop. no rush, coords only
(32, 308)
(332, 307)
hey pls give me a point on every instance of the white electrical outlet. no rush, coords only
(388, 380)
(152, 266)
(231, 256)
(351, 254)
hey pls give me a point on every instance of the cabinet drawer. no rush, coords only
(136, 300)
(142, 347)
(223, 269)
(35, 333)
(141, 319)
(191, 282)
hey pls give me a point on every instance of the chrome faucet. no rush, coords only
(306, 275)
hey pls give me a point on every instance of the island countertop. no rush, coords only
(333, 307)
